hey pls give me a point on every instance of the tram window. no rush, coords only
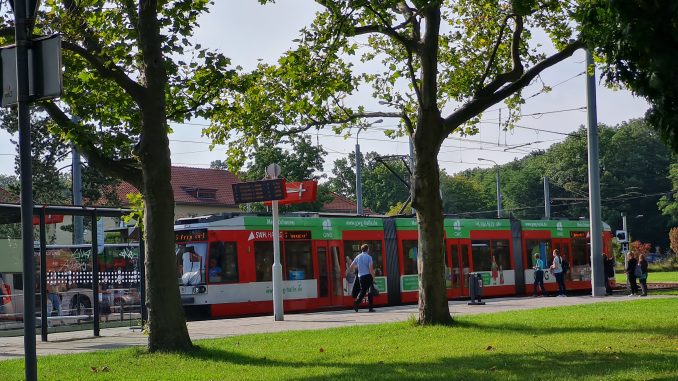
(481, 256)
(352, 249)
(535, 246)
(580, 252)
(410, 257)
(502, 254)
(191, 259)
(223, 262)
(336, 271)
(298, 262)
(323, 288)
(263, 261)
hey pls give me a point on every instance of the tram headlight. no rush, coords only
(199, 289)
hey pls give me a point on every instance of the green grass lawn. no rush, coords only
(668, 276)
(634, 340)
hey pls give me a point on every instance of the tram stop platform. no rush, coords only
(112, 338)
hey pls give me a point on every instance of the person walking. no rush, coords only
(363, 262)
(630, 270)
(557, 269)
(642, 263)
(539, 275)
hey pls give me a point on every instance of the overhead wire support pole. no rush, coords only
(499, 198)
(547, 199)
(596, 226)
(22, 40)
(43, 277)
(273, 172)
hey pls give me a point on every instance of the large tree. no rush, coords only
(637, 43)
(130, 67)
(440, 65)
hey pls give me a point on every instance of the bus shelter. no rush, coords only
(98, 278)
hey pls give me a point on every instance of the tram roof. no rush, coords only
(330, 226)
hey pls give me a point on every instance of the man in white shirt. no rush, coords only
(363, 262)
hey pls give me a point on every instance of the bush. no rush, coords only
(669, 262)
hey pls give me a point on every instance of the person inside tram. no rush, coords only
(214, 271)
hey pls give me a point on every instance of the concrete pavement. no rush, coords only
(84, 341)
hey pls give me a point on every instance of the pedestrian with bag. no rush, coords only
(363, 262)
(557, 269)
(642, 266)
(631, 264)
(538, 275)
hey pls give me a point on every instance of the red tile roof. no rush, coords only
(212, 185)
(341, 204)
(188, 182)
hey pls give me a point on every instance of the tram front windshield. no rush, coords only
(191, 258)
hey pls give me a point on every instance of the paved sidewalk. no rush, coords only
(83, 341)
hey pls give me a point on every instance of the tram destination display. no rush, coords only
(258, 191)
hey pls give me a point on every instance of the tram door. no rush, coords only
(457, 280)
(563, 246)
(330, 288)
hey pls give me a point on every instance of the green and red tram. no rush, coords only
(225, 261)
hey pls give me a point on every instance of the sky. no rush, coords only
(247, 32)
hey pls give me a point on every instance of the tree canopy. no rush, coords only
(637, 43)
(436, 65)
(130, 68)
(382, 189)
(635, 179)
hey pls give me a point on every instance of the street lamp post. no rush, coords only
(358, 170)
(499, 208)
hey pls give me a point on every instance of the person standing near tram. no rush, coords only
(538, 275)
(630, 270)
(557, 269)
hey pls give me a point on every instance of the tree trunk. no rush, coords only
(433, 307)
(166, 320)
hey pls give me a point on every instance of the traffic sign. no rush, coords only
(44, 70)
(625, 248)
(258, 191)
(299, 192)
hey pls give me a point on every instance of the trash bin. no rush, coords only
(475, 287)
